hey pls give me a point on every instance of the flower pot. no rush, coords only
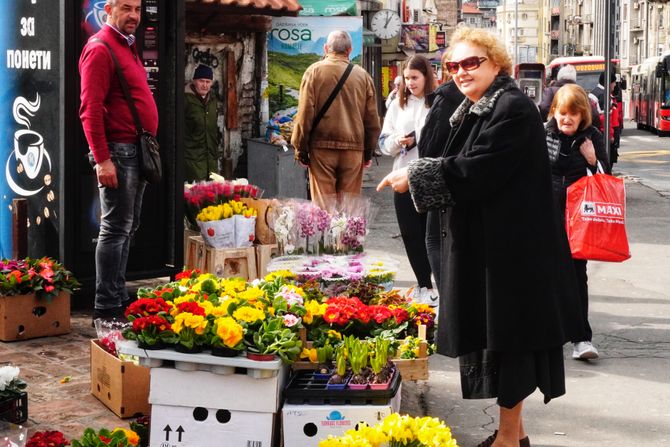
(384, 385)
(223, 351)
(156, 346)
(338, 386)
(357, 386)
(261, 357)
(196, 349)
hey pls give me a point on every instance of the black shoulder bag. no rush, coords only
(149, 154)
(303, 157)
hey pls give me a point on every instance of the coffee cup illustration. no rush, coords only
(29, 150)
(97, 15)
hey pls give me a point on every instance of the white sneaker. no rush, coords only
(584, 350)
(427, 296)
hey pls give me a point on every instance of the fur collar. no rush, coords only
(486, 103)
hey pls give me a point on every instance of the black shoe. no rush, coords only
(525, 442)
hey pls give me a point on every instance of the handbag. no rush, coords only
(149, 154)
(303, 157)
(595, 218)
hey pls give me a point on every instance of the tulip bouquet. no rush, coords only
(396, 431)
(214, 192)
(228, 225)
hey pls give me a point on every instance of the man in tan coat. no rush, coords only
(341, 146)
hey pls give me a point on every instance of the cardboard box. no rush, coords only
(179, 426)
(306, 425)
(26, 316)
(239, 392)
(122, 386)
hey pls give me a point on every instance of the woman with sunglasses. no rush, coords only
(507, 281)
(574, 146)
(402, 126)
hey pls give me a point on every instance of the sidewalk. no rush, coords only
(623, 399)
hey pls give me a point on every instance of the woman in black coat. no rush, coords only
(574, 146)
(508, 285)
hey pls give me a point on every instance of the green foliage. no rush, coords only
(272, 337)
(103, 438)
(324, 354)
(341, 360)
(381, 352)
(45, 277)
(358, 352)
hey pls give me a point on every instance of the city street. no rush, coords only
(622, 399)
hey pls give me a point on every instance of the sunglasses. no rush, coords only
(468, 64)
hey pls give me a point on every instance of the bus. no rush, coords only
(588, 69)
(650, 96)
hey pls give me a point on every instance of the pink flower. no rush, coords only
(290, 320)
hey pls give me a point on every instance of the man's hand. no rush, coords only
(106, 173)
(397, 180)
(367, 164)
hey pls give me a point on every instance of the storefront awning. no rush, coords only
(260, 7)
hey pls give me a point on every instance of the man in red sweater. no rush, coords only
(113, 142)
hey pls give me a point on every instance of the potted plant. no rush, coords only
(190, 326)
(273, 338)
(227, 337)
(140, 426)
(324, 355)
(358, 359)
(43, 277)
(152, 332)
(382, 371)
(118, 437)
(13, 398)
(339, 379)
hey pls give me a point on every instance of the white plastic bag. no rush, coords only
(219, 233)
(245, 230)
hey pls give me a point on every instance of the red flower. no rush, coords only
(380, 313)
(47, 439)
(144, 323)
(341, 310)
(191, 307)
(187, 274)
(147, 306)
(16, 274)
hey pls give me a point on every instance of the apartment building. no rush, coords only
(520, 23)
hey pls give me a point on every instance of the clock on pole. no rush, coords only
(385, 24)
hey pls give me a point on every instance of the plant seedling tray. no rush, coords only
(304, 388)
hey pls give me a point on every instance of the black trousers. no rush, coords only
(583, 287)
(413, 231)
(433, 243)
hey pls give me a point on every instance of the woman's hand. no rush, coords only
(406, 141)
(588, 152)
(397, 180)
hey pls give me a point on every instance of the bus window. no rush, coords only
(588, 81)
(666, 94)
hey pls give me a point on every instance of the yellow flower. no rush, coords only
(229, 331)
(334, 335)
(131, 436)
(207, 305)
(251, 294)
(286, 274)
(187, 320)
(314, 309)
(220, 310)
(232, 286)
(248, 314)
(309, 354)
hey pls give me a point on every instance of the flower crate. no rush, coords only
(223, 262)
(263, 255)
(414, 369)
(121, 386)
(25, 316)
(187, 235)
(304, 388)
(14, 410)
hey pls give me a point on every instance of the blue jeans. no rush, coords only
(119, 219)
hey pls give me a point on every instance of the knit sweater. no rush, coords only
(104, 112)
(398, 123)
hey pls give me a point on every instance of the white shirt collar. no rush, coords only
(130, 38)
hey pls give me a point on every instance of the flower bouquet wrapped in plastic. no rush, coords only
(350, 217)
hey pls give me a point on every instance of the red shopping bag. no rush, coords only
(595, 218)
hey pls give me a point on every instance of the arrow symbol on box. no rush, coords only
(167, 431)
(180, 430)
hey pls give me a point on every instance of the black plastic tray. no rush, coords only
(304, 388)
(15, 409)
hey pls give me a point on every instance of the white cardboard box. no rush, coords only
(175, 426)
(237, 392)
(306, 425)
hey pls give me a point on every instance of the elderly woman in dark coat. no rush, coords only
(508, 285)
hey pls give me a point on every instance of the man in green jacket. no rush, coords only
(201, 138)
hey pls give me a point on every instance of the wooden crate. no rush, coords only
(412, 369)
(194, 253)
(187, 234)
(26, 316)
(263, 255)
(230, 262)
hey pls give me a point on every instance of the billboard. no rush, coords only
(294, 43)
(30, 123)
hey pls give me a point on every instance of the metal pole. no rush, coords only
(606, 84)
(516, 32)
